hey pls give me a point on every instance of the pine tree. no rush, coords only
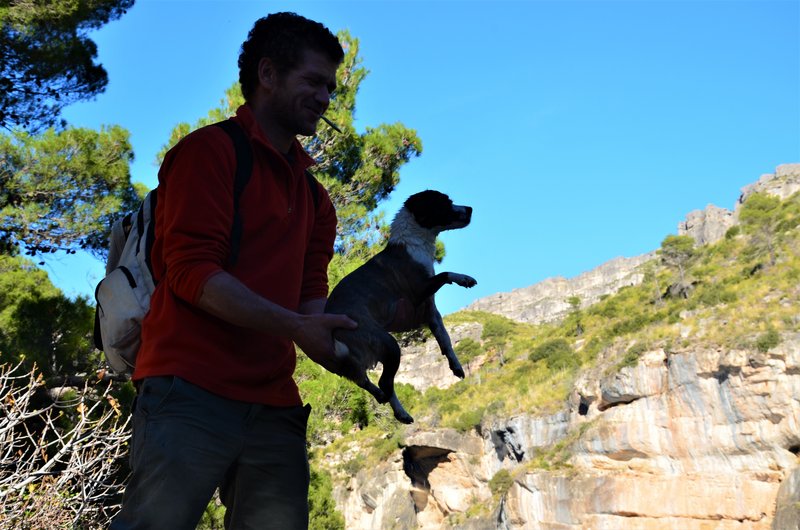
(47, 60)
(61, 190)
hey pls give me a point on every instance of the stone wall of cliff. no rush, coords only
(692, 440)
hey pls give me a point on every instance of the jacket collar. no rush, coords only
(297, 155)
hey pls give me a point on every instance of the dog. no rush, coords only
(394, 291)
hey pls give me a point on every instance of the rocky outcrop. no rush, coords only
(787, 513)
(784, 183)
(707, 226)
(547, 301)
(432, 477)
(424, 365)
(692, 440)
(710, 225)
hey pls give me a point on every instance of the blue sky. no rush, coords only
(578, 131)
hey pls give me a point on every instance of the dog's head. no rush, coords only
(435, 211)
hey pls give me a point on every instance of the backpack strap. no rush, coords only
(244, 168)
(313, 185)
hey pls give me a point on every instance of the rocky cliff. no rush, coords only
(547, 301)
(691, 437)
(691, 440)
(710, 225)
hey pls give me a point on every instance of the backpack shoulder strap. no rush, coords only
(313, 185)
(244, 168)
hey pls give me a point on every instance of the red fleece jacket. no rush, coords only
(284, 254)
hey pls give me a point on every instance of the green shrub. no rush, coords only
(322, 508)
(593, 348)
(386, 445)
(715, 294)
(607, 308)
(768, 340)
(467, 350)
(354, 465)
(632, 355)
(629, 325)
(501, 482)
(359, 409)
(469, 420)
(556, 353)
(497, 331)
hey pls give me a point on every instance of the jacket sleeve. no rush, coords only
(197, 210)
(320, 250)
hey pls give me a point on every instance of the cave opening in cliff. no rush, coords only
(419, 461)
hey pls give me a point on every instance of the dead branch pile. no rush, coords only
(61, 454)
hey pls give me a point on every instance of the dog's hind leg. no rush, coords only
(353, 370)
(390, 359)
(399, 412)
(369, 386)
(443, 338)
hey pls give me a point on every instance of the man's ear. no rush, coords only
(267, 76)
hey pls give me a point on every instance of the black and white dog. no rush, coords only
(394, 291)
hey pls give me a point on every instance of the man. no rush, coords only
(217, 405)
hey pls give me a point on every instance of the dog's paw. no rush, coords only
(400, 413)
(404, 417)
(463, 280)
(458, 371)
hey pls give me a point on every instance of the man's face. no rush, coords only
(303, 94)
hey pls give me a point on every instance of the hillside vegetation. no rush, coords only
(739, 293)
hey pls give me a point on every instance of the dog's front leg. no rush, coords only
(436, 283)
(443, 338)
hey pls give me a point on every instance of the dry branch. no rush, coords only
(61, 461)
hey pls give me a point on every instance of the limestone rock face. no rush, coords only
(783, 183)
(547, 301)
(787, 515)
(423, 365)
(692, 440)
(707, 226)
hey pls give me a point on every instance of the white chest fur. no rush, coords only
(419, 242)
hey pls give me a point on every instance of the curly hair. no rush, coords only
(283, 38)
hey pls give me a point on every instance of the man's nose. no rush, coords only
(323, 97)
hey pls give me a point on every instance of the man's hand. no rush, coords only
(315, 337)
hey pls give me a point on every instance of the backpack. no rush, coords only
(123, 295)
